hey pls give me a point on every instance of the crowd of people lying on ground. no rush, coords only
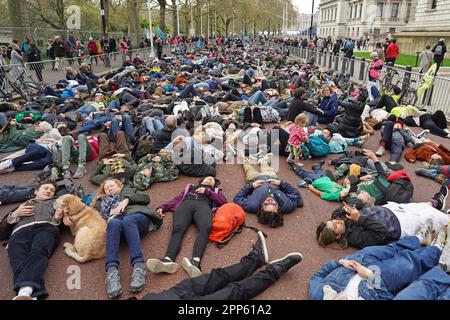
(191, 111)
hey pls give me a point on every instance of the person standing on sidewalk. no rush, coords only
(392, 52)
(439, 50)
(426, 58)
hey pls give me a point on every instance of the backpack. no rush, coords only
(438, 50)
(400, 191)
(228, 221)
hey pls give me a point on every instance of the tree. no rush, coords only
(133, 21)
(162, 14)
(16, 18)
(51, 12)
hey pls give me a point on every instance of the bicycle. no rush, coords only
(409, 95)
(388, 78)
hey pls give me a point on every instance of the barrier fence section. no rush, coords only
(433, 99)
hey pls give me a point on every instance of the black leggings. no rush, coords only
(386, 101)
(190, 211)
(255, 117)
(435, 123)
(283, 136)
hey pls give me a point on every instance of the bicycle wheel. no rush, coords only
(19, 90)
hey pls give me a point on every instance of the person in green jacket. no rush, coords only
(128, 216)
(155, 168)
(14, 136)
(31, 116)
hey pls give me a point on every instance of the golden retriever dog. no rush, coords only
(88, 227)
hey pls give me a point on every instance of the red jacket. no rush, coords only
(392, 51)
(92, 47)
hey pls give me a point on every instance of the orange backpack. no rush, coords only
(228, 220)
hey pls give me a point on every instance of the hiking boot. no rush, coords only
(318, 165)
(159, 266)
(192, 267)
(427, 173)
(81, 171)
(113, 286)
(67, 174)
(6, 166)
(380, 151)
(287, 262)
(423, 134)
(260, 249)
(444, 260)
(441, 198)
(138, 277)
(426, 233)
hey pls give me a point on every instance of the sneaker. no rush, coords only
(427, 173)
(426, 232)
(393, 166)
(411, 132)
(439, 238)
(330, 175)
(266, 159)
(6, 166)
(138, 277)
(380, 152)
(260, 248)
(303, 184)
(318, 165)
(423, 134)
(447, 131)
(160, 266)
(81, 171)
(441, 198)
(287, 262)
(67, 174)
(192, 267)
(113, 286)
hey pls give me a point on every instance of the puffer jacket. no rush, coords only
(329, 105)
(424, 152)
(350, 123)
(251, 199)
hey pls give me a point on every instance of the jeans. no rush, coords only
(312, 118)
(234, 282)
(116, 126)
(186, 92)
(402, 262)
(307, 175)
(132, 227)
(95, 123)
(282, 109)
(29, 250)
(153, 125)
(84, 111)
(38, 155)
(433, 285)
(201, 85)
(256, 98)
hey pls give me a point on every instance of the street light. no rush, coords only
(152, 53)
(312, 20)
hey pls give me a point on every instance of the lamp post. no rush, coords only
(178, 20)
(312, 20)
(192, 21)
(152, 53)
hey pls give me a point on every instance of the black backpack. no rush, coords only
(400, 191)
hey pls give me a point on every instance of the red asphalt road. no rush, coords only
(297, 234)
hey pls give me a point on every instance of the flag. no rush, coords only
(160, 33)
(147, 33)
(199, 44)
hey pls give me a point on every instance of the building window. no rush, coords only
(351, 12)
(360, 10)
(434, 4)
(394, 11)
(380, 6)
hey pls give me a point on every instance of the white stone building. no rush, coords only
(304, 22)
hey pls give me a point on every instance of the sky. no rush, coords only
(304, 6)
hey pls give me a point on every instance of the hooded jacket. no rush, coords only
(425, 151)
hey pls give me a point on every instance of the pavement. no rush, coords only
(297, 234)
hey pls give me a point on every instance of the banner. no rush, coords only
(160, 33)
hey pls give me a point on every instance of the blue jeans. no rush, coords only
(282, 108)
(189, 90)
(201, 85)
(153, 125)
(312, 118)
(84, 110)
(116, 127)
(132, 227)
(401, 263)
(256, 98)
(114, 105)
(93, 124)
(307, 175)
(433, 285)
(38, 155)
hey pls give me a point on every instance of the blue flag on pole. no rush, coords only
(199, 44)
(160, 33)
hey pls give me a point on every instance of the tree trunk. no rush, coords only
(174, 18)
(133, 22)
(187, 18)
(106, 8)
(162, 15)
(16, 19)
